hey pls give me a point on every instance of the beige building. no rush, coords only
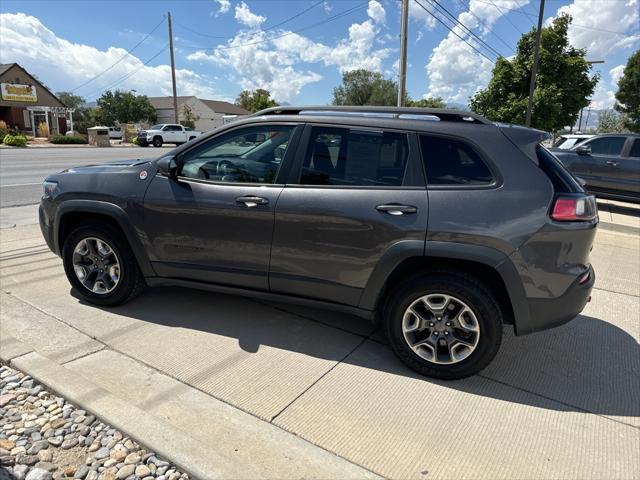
(209, 113)
(25, 102)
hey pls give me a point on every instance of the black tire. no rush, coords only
(131, 282)
(191, 138)
(157, 142)
(145, 144)
(467, 288)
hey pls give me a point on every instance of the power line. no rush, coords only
(327, 20)
(121, 58)
(481, 22)
(451, 30)
(572, 24)
(490, 2)
(129, 75)
(264, 29)
(520, 8)
(455, 19)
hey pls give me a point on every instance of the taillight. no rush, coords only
(578, 208)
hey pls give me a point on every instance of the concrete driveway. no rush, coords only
(241, 376)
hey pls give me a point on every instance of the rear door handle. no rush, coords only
(613, 163)
(396, 209)
(252, 201)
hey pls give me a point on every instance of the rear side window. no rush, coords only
(607, 145)
(635, 149)
(349, 157)
(562, 180)
(452, 162)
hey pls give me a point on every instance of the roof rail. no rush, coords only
(409, 113)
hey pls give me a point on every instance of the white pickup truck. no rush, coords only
(166, 133)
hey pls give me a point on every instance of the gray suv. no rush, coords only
(437, 224)
(608, 164)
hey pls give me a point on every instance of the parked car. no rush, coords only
(163, 133)
(439, 225)
(565, 142)
(115, 133)
(608, 164)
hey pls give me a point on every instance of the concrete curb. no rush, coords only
(616, 227)
(155, 434)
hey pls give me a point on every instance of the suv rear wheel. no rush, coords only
(100, 265)
(444, 324)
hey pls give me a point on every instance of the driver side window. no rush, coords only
(244, 155)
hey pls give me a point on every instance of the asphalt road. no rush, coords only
(23, 170)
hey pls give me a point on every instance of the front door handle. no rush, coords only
(252, 201)
(396, 209)
(613, 163)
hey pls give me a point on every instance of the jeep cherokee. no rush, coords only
(439, 224)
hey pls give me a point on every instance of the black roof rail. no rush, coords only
(411, 113)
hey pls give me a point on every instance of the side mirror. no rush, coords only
(169, 166)
(583, 150)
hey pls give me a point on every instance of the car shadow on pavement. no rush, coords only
(587, 365)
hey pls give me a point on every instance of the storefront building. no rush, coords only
(25, 103)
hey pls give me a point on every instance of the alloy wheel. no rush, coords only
(96, 265)
(441, 328)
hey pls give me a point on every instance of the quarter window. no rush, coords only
(607, 145)
(452, 162)
(246, 155)
(635, 149)
(349, 157)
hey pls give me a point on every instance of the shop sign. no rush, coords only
(18, 93)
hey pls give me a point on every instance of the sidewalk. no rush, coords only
(250, 389)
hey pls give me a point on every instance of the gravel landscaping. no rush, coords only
(42, 437)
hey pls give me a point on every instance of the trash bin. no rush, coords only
(99, 136)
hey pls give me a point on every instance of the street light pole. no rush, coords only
(173, 72)
(534, 67)
(402, 80)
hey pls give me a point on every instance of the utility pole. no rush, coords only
(534, 68)
(173, 72)
(402, 81)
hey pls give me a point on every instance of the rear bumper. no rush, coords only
(550, 313)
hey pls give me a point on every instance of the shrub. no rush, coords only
(15, 140)
(3, 129)
(134, 140)
(68, 139)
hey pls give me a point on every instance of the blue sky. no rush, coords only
(71, 43)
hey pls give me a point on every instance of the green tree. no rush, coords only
(83, 117)
(189, 117)
(364, 87)
(257, 100)
(628, 94)
(125, 107)
(70, 100)
(563, 84)
(428, 102)
(610, 121)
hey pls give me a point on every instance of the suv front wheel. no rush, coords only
(100, 265)
(444, 324)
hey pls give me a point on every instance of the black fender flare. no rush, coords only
(482, 254)
(112, 211)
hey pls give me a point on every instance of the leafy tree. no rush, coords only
(563, 84)
(610, 121)
(257, 100)
(125, 107)
(428, 102)
(364, 87)
(189, 117)
(628, 94)
(70, 100)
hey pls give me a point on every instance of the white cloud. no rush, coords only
(621, 16)
(246, 17)
(223, 6)
(418, 14)
(276, 60)
(616, 73)
(376, 12)
(64, 65)
(455, 71)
